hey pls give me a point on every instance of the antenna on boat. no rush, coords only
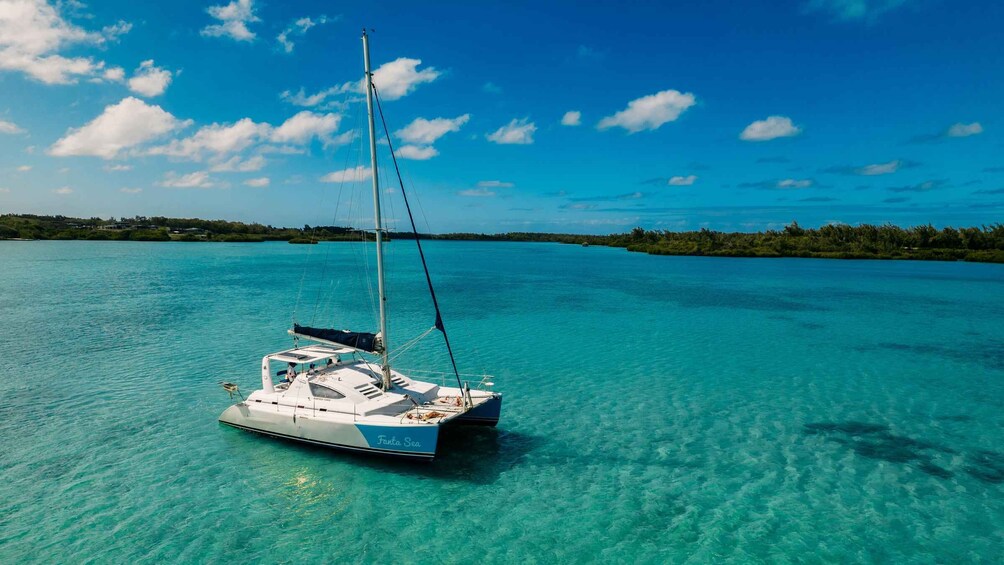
(385, 364)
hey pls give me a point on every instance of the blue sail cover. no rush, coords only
(356, 340)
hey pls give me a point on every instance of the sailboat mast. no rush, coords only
(376, 213)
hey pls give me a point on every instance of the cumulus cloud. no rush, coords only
(572, 118)
(126, 124)
(854, 10)
(298, 28)
(63, 190)
(426, 132)
(516, 132)
(393, 80)
(422, 133)
(198, 179)
(114, 74)
(650, 112)
(9, 127)
(964, 130)
(32, 33)
(399, 78)
(416, 153)
(258, 183)
(24, 168)
(234, 19)
(357, 174)
(771, 128)
(216, 140)
(682, 180)
(150, 80)
(130, 190)
(306, 125)
(237, 165)
(117, 168)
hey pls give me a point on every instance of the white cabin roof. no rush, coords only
(310, 354)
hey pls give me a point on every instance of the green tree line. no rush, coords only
(837, 241)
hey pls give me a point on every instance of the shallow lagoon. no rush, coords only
(657, 409)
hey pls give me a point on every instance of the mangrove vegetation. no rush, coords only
(836, 241)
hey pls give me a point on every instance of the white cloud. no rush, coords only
(400, 77)
(357, 174)
(149, 80)
(198, 179)
(482, 192)
(965, 130)
(495, 184)
(117, 168)
(682, 181)
(771, 128)
(114, 74)
(4, 190)
(393, 80)
(63, 190)
(32, 32)
(416, 153)
(301, 98)
(516, 132)
(305, 125)
(236, 165)
(847, 10)
(120, 126)
(216, 139)
(258, 183)
(288, 149)
(24, 168)
(9, 127)
(131, 190)
(298, 28)
(234, 19)
(426, 132)
(794, 183)
(880, 168)
(650, 112)
(572, 118)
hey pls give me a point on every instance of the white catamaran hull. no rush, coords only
(417, 441)
(399, 436)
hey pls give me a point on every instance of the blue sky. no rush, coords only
(569, 117)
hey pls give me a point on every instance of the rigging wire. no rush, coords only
(324, 299)
(428, 278)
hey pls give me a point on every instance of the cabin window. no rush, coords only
(324, 392)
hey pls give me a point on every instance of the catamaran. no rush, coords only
(340, 390)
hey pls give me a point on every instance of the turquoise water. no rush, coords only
(657, 409)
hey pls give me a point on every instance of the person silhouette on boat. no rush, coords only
(291, 373)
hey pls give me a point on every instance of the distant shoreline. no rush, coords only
(983, 244)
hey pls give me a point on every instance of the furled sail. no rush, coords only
(356, 340)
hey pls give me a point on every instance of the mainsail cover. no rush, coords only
(356, 340)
